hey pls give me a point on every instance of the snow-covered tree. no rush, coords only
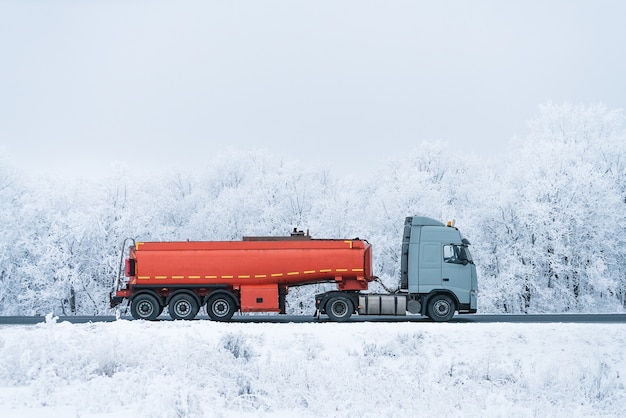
(557, 224)
(547, 222)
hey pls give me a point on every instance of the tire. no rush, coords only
(145, 307)
(441, 308)
(183, 306)
(221, 307)
(339, 308)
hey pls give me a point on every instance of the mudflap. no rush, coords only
(115, 300)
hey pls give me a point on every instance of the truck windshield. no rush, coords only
(465, 253)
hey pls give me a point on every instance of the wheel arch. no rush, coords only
(183, 292)
(233, 295)
(152, 293)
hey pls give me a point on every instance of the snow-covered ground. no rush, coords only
(207, 369)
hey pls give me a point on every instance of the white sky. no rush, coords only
(153, 84)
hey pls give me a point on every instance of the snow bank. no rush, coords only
(205, 369)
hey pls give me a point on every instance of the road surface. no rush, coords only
(478, 318)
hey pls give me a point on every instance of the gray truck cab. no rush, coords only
(437, 269)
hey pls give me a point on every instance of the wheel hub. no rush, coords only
(182, 308)
(220, 308)
(145, 308)
(442, 308)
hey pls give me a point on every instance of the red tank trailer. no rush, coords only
(252, 275)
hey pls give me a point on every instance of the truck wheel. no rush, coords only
(441, 308)
(183, 306)
(221, 307)
(339, 308)
(145, 307)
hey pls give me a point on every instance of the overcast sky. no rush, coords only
(155, 84)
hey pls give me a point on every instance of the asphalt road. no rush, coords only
(476, 318)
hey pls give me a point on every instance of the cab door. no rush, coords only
(456, 272)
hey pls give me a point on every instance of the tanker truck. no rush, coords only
(437, 275)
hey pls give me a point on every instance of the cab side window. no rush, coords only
(449, 254)
(456, 254)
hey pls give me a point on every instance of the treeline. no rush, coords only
(547, 221)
